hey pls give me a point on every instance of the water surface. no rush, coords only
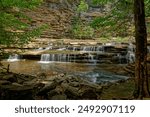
(93, 72)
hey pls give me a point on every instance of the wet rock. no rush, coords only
(51, 94)
(4, 82)
(17, 84)
(72, 93)
(88, 93)
(58, 87)
(59, 97)
(58, 80)
(74, 84)
(41, 76)
(10, 77)
(47, 88)
(13, 92)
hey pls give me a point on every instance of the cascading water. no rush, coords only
(148, 49)
(130, 53)
(48, 48)
(40, 48)
(100, 49)
(45, 58)
(74, 48)
(91, 58)
(109, 53)
(13, 58)
(130, 57)
(89, 48)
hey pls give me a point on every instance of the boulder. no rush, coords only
(14, 92)
(4, 82)
(10, 77)
(59, 97)
(47, 88)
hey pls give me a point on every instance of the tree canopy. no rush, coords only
(119, 20)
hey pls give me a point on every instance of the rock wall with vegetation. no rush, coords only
(56, 14)
(60, 15)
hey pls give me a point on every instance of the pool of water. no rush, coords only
(93, 72)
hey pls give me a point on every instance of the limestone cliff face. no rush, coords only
(57, 14)
(62, 3)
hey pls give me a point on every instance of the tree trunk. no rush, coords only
(141, 76)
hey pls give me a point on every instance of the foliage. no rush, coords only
(79, 28)
(147, 8)
(117, 20)
(83, 6)
(19, 3)
(13, 29)
(83, 31)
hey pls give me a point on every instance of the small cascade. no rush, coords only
(13, 58)
(88, 48)
(61, 49)
(131, 47)
(74, 48)
(45, 58)
(91, 58)
(130, 56)
(121, 59)
(68, 58)
(40, 48)
(105, 53)
(100, 49)
(48, 48)
(148, 49)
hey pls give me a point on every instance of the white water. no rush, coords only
(45, 58)
(130, 53)
(148, 49)
(91, 59)
(13, 58)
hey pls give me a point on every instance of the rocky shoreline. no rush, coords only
(60, 87)
(14, 86)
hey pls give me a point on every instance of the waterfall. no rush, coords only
(91, 58)
(88, 48)
(48, 48)
(131, 47)
(45, 58)
(100, 49)
(14, 57)
(60, 49)
(130, 56)
(148, 49)
(92, 54)
(68, 58)
(40, 48)
(74, 48)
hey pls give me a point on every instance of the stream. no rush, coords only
(98, 64)
(97, 73)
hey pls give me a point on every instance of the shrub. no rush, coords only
(82, 31)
